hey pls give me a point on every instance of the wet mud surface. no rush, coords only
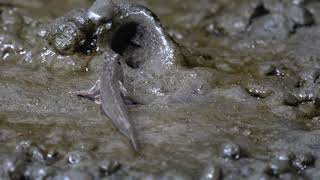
(235, 94)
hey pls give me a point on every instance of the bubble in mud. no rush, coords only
(75, 157)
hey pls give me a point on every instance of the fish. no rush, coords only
(112, 102)
(108, 92)
(138, 43)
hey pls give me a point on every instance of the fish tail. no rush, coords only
(133, 142)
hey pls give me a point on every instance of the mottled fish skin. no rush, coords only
(112, 102)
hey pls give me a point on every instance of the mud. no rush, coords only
(240, 101)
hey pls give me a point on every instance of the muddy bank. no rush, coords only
(237, 100)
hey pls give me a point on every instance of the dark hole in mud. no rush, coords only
(276, 72)
(122, 40)
(123, 36)
(259, 12)
(310, 22)
(132, 63)
(88, 46)
(300, 83)
(297, 26)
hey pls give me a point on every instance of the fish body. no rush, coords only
(111, 100)
(137, 44)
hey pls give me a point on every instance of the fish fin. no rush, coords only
(133, 142)
(93, 93)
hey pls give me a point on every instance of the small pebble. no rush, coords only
(280, 163)
(36, 172)
(302, 161)
(109, 167)
(212, 172)
(284, 156)
(231, 151)
(36, 154)
(23, 146)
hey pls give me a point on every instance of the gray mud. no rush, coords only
(242, 103)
